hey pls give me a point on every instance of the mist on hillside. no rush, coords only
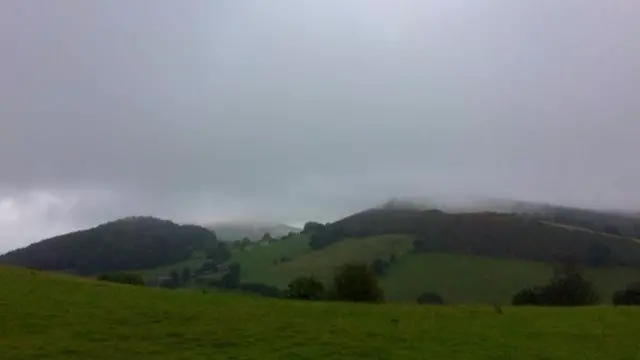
(208, 112)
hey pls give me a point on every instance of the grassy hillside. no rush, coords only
(472, 279)
(508, 236)
(459, 278)
(322, 263)
(259, 263)
(56, 317)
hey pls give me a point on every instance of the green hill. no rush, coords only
(125, 244)
(47, 316)
(459, 278)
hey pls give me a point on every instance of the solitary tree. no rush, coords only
(306, 288)
(186, 275)
(356, 282)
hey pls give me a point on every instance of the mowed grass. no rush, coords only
(47, 316)
(471, 279)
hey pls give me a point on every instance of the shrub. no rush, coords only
(356, 282)
(122, 278)
(380, 267)
(306, 288)
(569, 290)
(628, 296)
(430, 298)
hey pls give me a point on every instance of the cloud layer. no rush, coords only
(283, 110)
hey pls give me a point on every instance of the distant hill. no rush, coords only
(231, 231)
(487, 234)
(612, 222)
(129, 243)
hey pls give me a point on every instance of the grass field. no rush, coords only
(459, 278)
(45, 316)
(470, 279)
(257, 262)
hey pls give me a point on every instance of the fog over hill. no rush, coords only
(205, 111)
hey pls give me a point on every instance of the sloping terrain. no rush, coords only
(55, 317)
(125, 244)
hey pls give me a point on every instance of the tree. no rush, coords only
(598, 255)
(312, 227)
(306, 288)
(380, 267)
(628, 296)
(231, 280)
(568, 289)
(267, 238)
(430, 298)
(175, 277)
(356, 282)
(186, 275)
(245, 243)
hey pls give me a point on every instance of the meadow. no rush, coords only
(46, 316)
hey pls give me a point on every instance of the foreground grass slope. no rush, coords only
(57, 317)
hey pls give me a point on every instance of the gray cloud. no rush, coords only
(289, 110)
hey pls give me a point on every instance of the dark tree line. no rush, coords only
(352, 282)
(569, 287)
(126, 244)
(487, 234)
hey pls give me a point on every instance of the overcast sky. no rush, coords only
(298, 110)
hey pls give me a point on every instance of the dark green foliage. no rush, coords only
(598, 255)
(207, 267)
(392, 259)
(306, 288)
(219, 253)
(122, 278)
(186, 275)
(356, 282)
(231, 280)
(175, 278)
(568, 289)
(430, 298)
(126, 244)
(266, 237)
(380, 267)
(628, 296)
(312, 227)
(487, 234)
(321, 236)
(246, 242)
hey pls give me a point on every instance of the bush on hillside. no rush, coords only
(231, 280)
(380, 267)
(356, 282)
(430, 298)
(122, 278)
(568, 289)
(628, 296)
(306, 288)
